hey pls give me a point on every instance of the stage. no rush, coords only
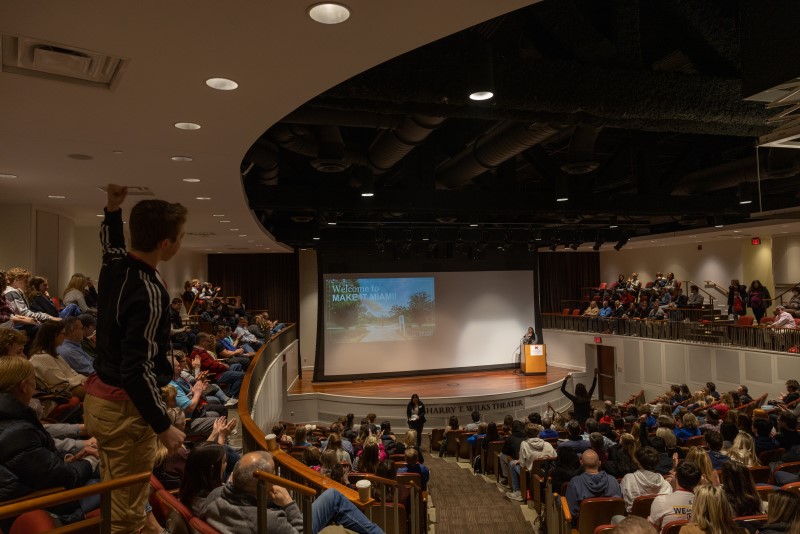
(428, 386)
(493, 393)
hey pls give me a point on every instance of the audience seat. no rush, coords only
(767, 457)
(641, 505)
(764, 492)
(696, 441)
(33, 523)
(602, 286)
(789, 467)
(794, 487)
(745, 320)
(415, 479)
(436, 436)
(576, 311)
(200, 526)
(673, 527)
(177, 516)
(489, 459)
(604, 529)
(463, 448)
(565, 311)
(766, 320)
(761, 474)
(453, 439)
(387, 523)
(751, 519)
(593, 511)
(530, 482)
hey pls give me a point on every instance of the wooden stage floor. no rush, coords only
(429, 386)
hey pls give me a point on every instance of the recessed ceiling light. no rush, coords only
(56, 196)
(208, 249)
(613, 226)
(363, 195)
(473, 225)
(251, 241)
(181, 158)
(116, 152)
(242, 235)
(224, 221)
(222, 84)
(329, 13)
(219, 252)
(9, 176)
(187, 126)
(191, 180)
(562, 199)
(80, 157)
(99, 215)
(234, 229)
(217, 215)
(481, 95)
(736, 231)
(331, 224)
(203, 198)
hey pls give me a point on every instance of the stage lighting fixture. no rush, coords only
(316, 236)
(597, 245)
(481, 82)
(745, 193)
(537, 235)
(553, 247)
(621, 243)
(562, 190)
(574, 246)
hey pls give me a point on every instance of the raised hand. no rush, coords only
(116, 196)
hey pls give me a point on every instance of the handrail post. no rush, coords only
(105, 512)
(262, 507)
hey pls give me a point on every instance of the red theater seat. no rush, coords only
(745, 320)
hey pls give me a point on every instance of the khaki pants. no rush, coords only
(127, 446)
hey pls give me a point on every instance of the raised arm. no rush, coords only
(594, 383)
(567, 394)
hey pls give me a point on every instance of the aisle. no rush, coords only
(467, 503)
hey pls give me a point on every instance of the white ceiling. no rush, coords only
(279, 57)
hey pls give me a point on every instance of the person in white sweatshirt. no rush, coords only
(645, 481)
(530, 450)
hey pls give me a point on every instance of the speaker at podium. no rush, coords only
(534, 359)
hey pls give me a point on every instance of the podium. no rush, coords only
(533, 360)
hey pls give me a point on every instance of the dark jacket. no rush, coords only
(788, 438)
(717, 459)
(28, 458)
(765, 443)
(421, 414)
(581, 407)
(41, 303)
(132, 326)
(513, 443)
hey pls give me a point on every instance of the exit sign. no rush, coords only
(755, 241)
(598, 339)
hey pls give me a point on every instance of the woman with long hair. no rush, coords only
(50, 367)
(740, 489)
(39, 298)
(743, 450)
(592, 310)
(203, 472)
(368, 460)
(415, 415)
(759, 299)
(75, 292)
(452, 426)
(621, 457)
(737, 299)
(711, 513)
(689, 428)
(335, 444)
(581, 400)
(783, 515)
(699, 457)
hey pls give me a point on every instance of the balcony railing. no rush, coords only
(681, 328)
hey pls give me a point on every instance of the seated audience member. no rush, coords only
(347, 445)
(313, 458)
(370, 456)
(29, 460)
(51, 368)
(191, 403)
(566, 466)
(178, 333)
(677, 505)
(71, 350)
(232, 507)
(787, 436)
(794, 303)
(591, 483)
(530, 450)
(626, 298)
(203, 471)
(695, 299)
(743, 450)
(575, 439)
(15, 295)
(711, 513)
(221, 373)
(656, 311)
(592, 310)
(783, 319)
(511, 451)
(452, 426)
(729, 431)
(299, 439)
(740, 491)
(547, 432)
(679, 300)
(699, 457)
(225, 349)
(619, 310)
(75, 293)
(711, 389)
(244, 335)
(645, 481)
(783, 516)
(12, 342)
(413, 466)
(713, 421)
(476, 420)
(763, 439)
(605, 311)
(89, 324)
(689, 428)
(334, 443)
(744, 397)
(621, 457)
(723, 405)
(39, 298)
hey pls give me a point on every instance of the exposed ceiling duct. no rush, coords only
(776, 163)
(581, 158)
(330, 150)
(263, 159)
(391, 146)
(490, 150)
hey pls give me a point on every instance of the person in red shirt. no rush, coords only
(220, 372)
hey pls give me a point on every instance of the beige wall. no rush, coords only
(785, 264)
(88, 253)
(17, 244)
(186, 264)
(308, 307)
(757, 264)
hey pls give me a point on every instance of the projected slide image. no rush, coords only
(379, 309)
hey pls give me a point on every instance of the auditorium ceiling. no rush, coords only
(611, 120)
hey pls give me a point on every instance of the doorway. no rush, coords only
(606, 373)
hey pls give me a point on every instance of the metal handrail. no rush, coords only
(717, 287)
(690, 283)
(786, 291)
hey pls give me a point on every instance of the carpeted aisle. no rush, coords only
(467, 503)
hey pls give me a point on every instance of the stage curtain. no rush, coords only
(562, 275)
(264, 281)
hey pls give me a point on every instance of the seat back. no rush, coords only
(492, 453)
(696, 441)
(752, 520)
(576, 311)
(641, 505)
(200, 526)
(602, 286)
(565, 311)
(766, 320)
(453, 438)
(794, 487)
(598, 511)
(745, 320)
(463, 448)
(436, 438)
(760, 474)
(386, 522)
(764, 492)
(604, 529)
(767, 457)
(673, 527)
(411, 485)
(33, 523)
(178, 516)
